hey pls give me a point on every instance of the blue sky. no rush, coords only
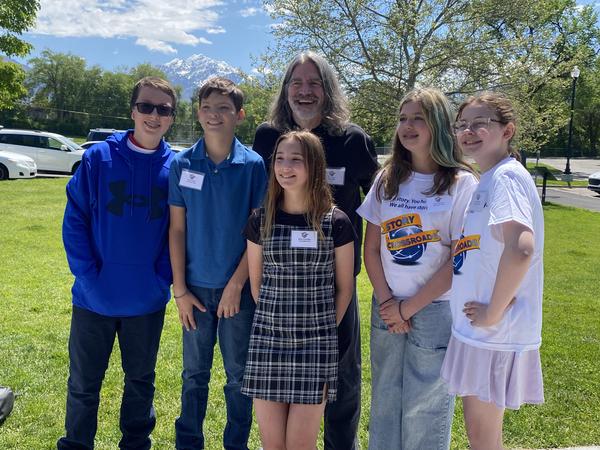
(117, 33)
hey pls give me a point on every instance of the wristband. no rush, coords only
(179, 296)
(383, 303)
(400, 311)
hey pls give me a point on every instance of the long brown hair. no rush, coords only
(335, 114)
(502, 107)
(318, 193)
(443, 149)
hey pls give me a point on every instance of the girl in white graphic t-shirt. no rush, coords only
(493, 361)
(414, 213)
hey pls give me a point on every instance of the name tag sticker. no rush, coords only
(303, 239)
(336, 176)
(439, 203)
(192, 180)
(478, 201)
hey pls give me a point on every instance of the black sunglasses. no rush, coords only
(161, 110)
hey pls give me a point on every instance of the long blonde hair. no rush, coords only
(443, 149)
(318, 193)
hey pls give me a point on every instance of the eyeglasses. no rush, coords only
(161, 110)
(481, 123)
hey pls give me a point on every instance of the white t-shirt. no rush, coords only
(416, 229)
(505, 193)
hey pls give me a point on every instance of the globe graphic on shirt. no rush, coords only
(408, 255)
(458, 261)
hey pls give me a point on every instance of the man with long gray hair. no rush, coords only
(311, 98)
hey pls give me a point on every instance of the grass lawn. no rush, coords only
(35, 299)
(558, 174)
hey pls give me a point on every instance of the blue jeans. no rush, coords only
(90, 345)
(198, 349)
(410, 405)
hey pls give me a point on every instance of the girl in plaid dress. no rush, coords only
(300, 260)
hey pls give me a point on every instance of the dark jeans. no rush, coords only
(90, 345)
(198, 350)
(342, 416)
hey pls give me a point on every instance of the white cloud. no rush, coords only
(157, 46)
(250, 11)
(215, 30)
(156, 25)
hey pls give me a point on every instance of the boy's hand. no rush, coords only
(185, 307)
(229, 305)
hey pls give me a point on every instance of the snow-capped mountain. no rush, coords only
(192, 72)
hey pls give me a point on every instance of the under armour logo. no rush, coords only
(121, 197)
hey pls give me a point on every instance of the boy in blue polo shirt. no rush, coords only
(213, 187)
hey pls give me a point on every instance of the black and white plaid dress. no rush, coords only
(293, 349)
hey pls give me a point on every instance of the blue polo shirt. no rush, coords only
(218, 199)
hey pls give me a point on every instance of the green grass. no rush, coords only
(557, 174)
(34, 327)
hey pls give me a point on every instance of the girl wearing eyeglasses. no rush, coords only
(493, 359)
(414, 214)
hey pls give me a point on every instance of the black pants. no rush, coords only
(90, 345)
(342, 416)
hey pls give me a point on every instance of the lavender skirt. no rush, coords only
(507, 379)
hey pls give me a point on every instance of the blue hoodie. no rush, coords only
(115, 229)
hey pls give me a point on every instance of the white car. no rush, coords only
(13, 165)
(594, 182)
(88, 144)
(52, 153)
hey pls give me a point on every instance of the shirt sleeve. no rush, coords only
(77, 222)
(252, 229)
(264, 143)
(463, 190)
(259, 184)
(175, 195)
(370, 210)
(509, 202)
(343, 231)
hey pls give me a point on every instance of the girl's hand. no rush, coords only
(402, 328)
(481, 315)
(390, 314)
(477, 313)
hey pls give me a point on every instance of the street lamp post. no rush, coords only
(574, 75)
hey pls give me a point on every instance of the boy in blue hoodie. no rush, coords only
(115, 232)
(213, 188)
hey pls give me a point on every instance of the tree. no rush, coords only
(11, 84)
(76, 97)
(145, 70)
(59, 81)
(258, 95)
(16, 16)
(381, 49)
(587, 109)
